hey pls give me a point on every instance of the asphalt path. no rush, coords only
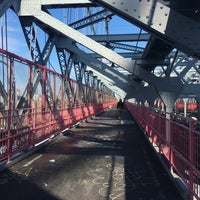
(101, 159)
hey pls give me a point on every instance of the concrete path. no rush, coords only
(101, 159)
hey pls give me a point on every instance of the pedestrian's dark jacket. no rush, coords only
(120, 105)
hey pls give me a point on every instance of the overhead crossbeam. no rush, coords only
(64, 3)
(144, 37)
(131, 55)
(91, 19)
(157, 18)
(114, 45)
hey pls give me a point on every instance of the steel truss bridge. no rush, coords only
(157, 59)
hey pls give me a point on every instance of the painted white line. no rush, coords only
(30, 162)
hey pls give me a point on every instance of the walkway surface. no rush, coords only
(101, 159)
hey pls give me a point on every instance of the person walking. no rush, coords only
(120, 108)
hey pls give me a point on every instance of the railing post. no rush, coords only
(171, 158)
(10, 81)
(191, 159)
(168, 134)
(30, 87)
(44, 78)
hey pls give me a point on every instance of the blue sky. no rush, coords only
(15, 38)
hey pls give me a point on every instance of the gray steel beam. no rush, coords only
(114, 45)
(80, 56)
(91, 19)
(187, 68)
(64, 3)
(125, 55)
(190, 90)
(115, 88)
(48, 48)
(154, 62)
(121, 37)
(65, 66)
(155, 17)
(107, 74)
(31, 40)
(33, 8)
(157, 48)
(163, 83)
(159, 20)
(67, 31)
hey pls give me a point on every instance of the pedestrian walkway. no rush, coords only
(101, 159)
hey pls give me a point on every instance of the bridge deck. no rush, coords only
(100, 159)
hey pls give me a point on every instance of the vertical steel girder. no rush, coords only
(79, 69)
(65, 65)
(91, 78)
(48, 48)
(30, 36)
(62, 60)
(86, 76)
(66, 68)
(37, 55)
(49, 93)
(68, 87)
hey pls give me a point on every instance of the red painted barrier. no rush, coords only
(179, 143)
(37, 103)
(39, 126)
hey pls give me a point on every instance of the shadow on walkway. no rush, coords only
(101, 159)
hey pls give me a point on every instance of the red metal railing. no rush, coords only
(37, 103)
(179, 143)
(40, 125)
